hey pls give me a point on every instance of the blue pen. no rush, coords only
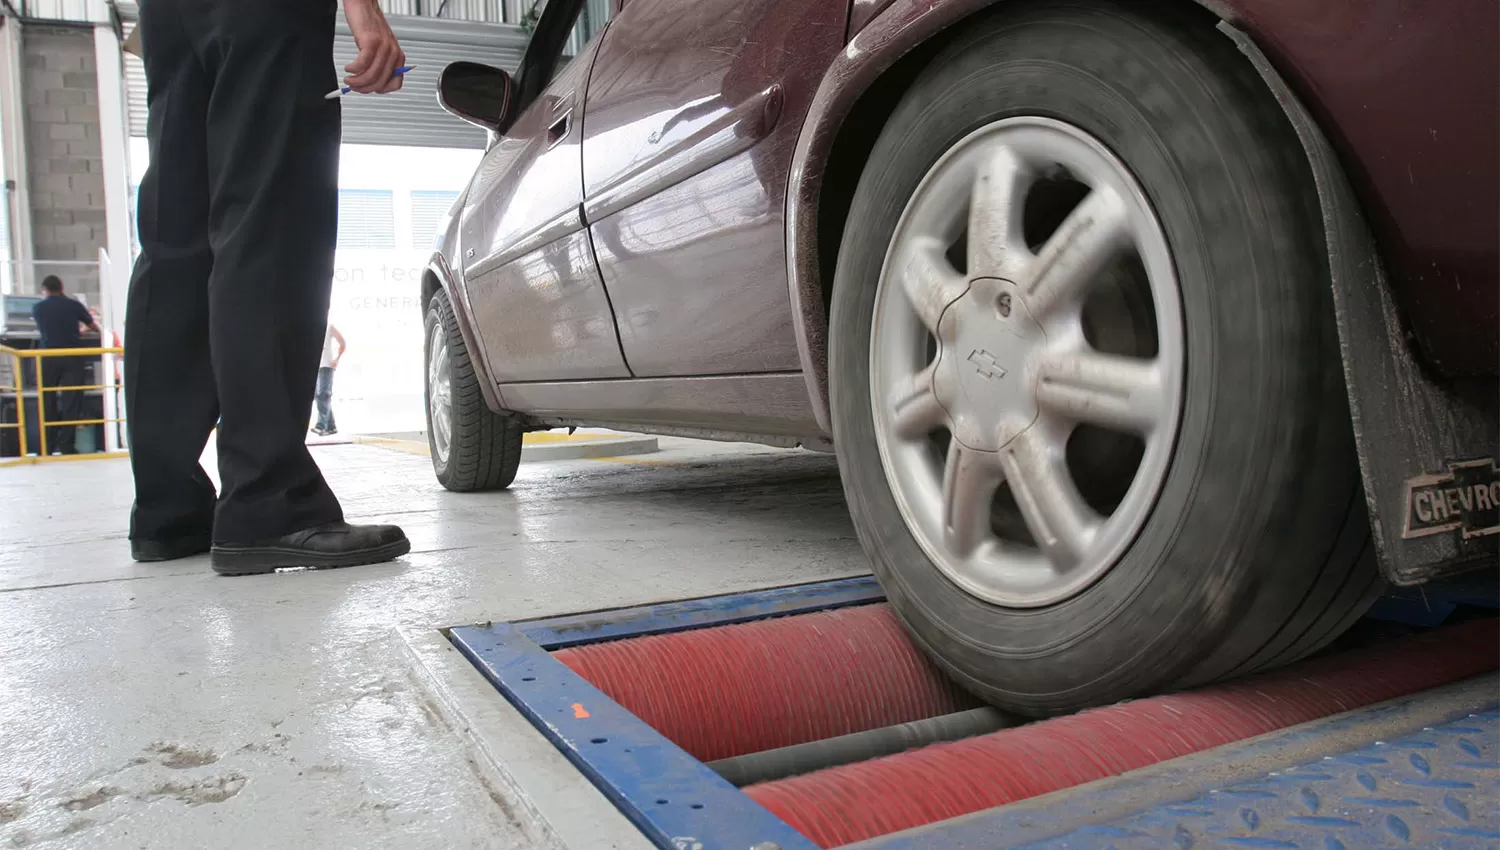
(340, 92)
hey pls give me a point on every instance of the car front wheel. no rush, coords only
(472, 447)
(1085, 381)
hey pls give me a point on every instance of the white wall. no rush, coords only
(375, 291)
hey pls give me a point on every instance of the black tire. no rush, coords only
(485, 447)
(1257, 551)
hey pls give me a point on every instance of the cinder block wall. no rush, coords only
(64, 159)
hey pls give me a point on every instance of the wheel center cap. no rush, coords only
(985, 338)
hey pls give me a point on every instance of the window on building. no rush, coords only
(367, 218)
(428, 207)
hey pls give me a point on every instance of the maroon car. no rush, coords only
(1153, 338)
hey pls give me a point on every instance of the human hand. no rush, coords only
(380, 55)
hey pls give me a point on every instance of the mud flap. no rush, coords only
(1426, 454)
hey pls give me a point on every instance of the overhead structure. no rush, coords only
(410, 117)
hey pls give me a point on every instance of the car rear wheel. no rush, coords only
(1085, 381)
(472, 447)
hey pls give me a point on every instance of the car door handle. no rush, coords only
(558, 130)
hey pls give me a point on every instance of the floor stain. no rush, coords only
(507, 810)
(179, 757)
(12, 809)
(277, 741)
(214, 790)
(77, 825)
(434, 718)
(98, 797)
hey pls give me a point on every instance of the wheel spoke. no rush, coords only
(1060, 521)
(435, 362)
(914, 406)
(970, 479)
(1124, 393)
(930, 281)
(996, 247)
(1083, 245)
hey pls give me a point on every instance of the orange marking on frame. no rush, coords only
(579, 711)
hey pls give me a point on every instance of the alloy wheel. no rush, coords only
(1027, 362)
(439, 393)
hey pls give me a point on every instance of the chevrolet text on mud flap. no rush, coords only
(1466, 498)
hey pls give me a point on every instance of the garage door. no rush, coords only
(411, 116)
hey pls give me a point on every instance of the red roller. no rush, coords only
(732, 690)
(859, 801)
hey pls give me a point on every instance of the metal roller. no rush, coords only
(731, 690)
(860, 746)
(858, 801)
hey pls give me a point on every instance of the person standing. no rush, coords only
(228, 302)
(58, 319)
(325, 426)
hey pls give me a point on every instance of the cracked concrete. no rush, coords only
(146, 706)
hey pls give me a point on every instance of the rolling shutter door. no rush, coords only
(367, 218)
(411, 116)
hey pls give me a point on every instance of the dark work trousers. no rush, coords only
(64, 406)
(228, 303)
(324, 398)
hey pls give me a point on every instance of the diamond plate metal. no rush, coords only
(1437, 789)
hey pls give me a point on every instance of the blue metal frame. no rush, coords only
(674, 799)
(681, 804)
(576, 629)
(1429, 605)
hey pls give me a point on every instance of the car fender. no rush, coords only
(440, 274)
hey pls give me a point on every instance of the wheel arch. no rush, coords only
(859, 91)
(437, 276)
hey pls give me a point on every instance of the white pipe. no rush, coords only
(13, 149)
(115, 258)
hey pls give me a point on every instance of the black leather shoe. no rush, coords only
(152, 551)
(337, 544)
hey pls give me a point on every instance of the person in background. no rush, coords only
(325, 426)
(59, 319)
(228, 303)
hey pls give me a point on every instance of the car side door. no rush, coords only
(693, 112)
(536, 297)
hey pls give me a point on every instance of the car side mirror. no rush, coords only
(476, 93)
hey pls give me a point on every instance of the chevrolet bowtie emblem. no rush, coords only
(986, 364)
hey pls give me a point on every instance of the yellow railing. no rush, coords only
(36, 356)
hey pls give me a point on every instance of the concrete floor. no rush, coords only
(164, 706)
